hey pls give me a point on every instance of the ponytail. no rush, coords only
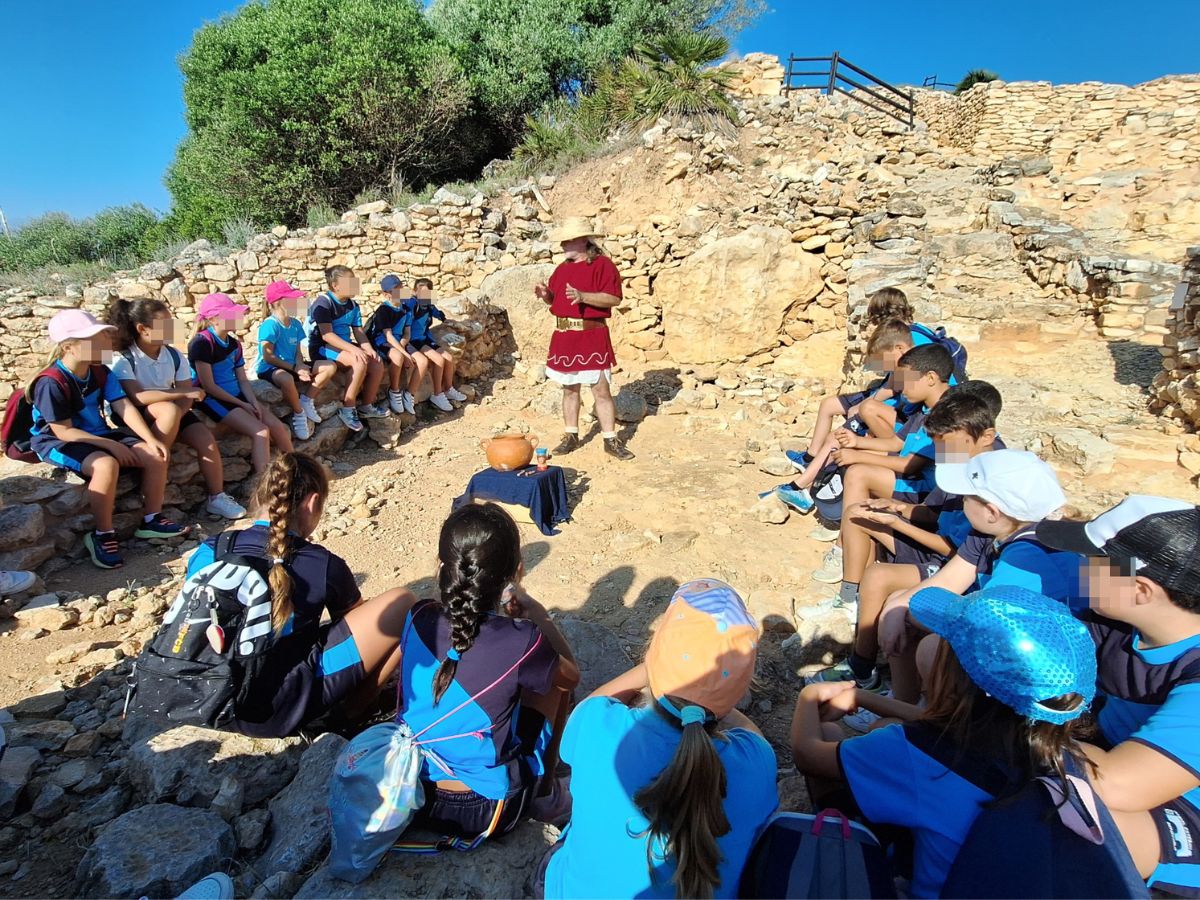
(127, 315)
(480, 553)
(56, 353)
(283, 486)
(685, 806)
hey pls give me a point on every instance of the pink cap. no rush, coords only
(281, 290)
(75, 324)
(221, 305)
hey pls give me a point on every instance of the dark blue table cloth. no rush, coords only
(544, 493)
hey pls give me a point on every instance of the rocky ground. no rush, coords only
(76, 794)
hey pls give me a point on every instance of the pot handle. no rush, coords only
(533, 440)
(483, 445)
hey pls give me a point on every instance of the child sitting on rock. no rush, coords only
(156, 378)
(1006, 493)
(388, 329)
(70, 431)
(280, 363)
(670, 784)
(425, 350)
(220, 368)
(311, 668)
(486, 681)
(337, 336)
(1012, 674)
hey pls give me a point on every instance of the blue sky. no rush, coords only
(92, 107)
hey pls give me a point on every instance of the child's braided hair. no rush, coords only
(282, 488)
(480, 553)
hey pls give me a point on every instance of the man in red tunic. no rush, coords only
(581, 294)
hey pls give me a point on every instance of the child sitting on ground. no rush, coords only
(1141, 577)
(280, 362)
(388, 330)
(311, 668)
(70, 431)
(156, 378)
(1013, 672)
(496, 753)
(425, 350)
(1006, 493)
(220, 369)
(337, 336)
(916, 538)
(671, 785)
(889, 341)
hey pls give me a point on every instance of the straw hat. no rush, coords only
(577, 227)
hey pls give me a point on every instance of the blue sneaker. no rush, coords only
(798, 499)
(796, 459)
(160, 529)
(104, 549)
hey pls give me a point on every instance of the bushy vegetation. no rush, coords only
(974, 77)
(298, 109)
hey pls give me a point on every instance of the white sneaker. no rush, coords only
(862, 720)
(396, 402)
(456, 395)
(310, 409)
(224, 506)
(410, 404)
(440, 401)
(831, 567)
(16, 582)
(301, 427)
(349, 417)
(824, 535)
(372, 411)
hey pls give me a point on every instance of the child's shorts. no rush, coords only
(426, 344)
(303, 679)
(849, 401)
(215, 409)
(268, 374)
(186, 421)
(1178, 871)
(72, 454)
(324, 352)
(910, 553)
(384, 350)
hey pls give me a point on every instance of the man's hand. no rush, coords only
(574, 295)
(542, 292)
(834, 699)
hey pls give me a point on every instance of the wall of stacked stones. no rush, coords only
(1176, 390)
(1026, 119)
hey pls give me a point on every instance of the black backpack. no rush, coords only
(957, 351)
(181, 676)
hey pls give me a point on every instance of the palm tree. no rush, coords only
(673, 77)
(974, 77)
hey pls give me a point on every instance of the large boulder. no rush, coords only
(728, 299)
(598, 651)
(299, 820)
(187, 765)
(502, 867)
(154, 851)
(512, 290)
(16, 766)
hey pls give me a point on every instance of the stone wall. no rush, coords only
(1176, 390)
(997, 119)
(756, 75)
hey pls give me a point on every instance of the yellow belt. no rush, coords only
(563, 324)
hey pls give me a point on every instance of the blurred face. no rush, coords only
(398, 294)
(1111, 589)
(959, 446)
(161, 330)
(915, 386)
(890, 357)
(295, 307)
(423, 292)
(347, 285)
(576, 248)
(230, 324)
(96, 349)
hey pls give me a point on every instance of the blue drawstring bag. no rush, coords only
(373, 795)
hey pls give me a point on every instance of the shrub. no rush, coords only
(115, 236)
(974, 77)
(320, 214)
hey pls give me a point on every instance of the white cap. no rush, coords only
(1020, 484)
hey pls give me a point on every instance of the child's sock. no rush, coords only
(608, 435)
(150, 517)
(807, 457)
(860, 666)
(848, 592)
(571, 429)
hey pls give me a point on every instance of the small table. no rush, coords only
(543, 493)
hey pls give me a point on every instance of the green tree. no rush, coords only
(674, 77)
(974, 77)
(120, 231)
(520, 54)
(292, 102)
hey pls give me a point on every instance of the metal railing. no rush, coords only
(884, 98)
(931, 81)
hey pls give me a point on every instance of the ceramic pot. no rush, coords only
(508, 452)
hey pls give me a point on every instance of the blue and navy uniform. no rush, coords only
(1152, 695)
(917, 442)
(311, 666)
(951, 524)
(389, 318)
(80, 404)
(342, 315)
(285, 343)
(226, 358)
(422, 316)
(1021, 560)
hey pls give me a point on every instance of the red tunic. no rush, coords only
(582, 351)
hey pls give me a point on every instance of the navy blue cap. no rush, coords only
(390, 283)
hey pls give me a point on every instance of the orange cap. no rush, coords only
(704, 650)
